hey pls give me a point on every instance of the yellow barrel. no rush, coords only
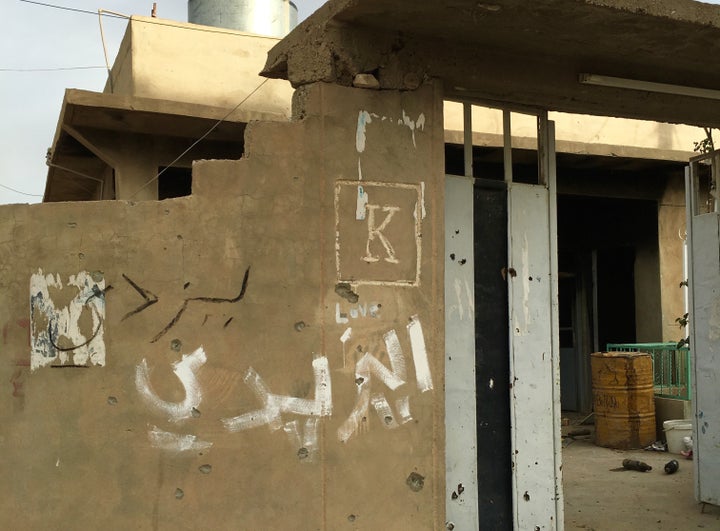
(623, 399)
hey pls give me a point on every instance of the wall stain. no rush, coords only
(344, 290)
(415, 481)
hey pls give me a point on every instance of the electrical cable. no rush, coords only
(51, 69)
(221, 120)
(159, 22)
(18, 191)
(64, 8)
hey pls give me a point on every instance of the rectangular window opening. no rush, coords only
(174, 182)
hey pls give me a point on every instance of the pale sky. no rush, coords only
(43, 51)
(36, 37)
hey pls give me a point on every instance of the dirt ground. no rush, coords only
(600, 499)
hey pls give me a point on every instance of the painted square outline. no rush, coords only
(418, 215)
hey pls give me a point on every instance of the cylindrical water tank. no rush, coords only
(273, 18)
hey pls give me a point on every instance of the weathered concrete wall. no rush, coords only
(671, 239)
(184, 62)
(258, 356)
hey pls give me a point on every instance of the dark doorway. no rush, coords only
(604, 244)
(492, 360)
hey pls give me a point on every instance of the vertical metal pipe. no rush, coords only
(507, 146)
(468, 138)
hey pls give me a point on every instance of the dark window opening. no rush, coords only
(174, 182)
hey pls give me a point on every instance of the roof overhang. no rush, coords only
(74, 163)
(520, 53)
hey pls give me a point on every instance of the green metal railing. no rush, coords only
(671, 367)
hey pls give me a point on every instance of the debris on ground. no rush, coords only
(634, 464)
(671, 466)
(688, 451)
(657, 446)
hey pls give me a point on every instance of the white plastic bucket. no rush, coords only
(675, 430)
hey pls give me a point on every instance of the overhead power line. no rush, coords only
(181, 155)
(74, 9)
(51, 69)
(18, 191)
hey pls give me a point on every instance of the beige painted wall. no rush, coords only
(246, 269)
(177, 61)
(671, 236)
(582, 134)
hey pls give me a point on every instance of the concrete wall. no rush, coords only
(582, 134)
(177, 61)
(671, 239)
(253, 356)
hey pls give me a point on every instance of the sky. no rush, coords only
(43, 51)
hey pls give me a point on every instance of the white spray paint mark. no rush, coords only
(357, 420)
(395, 353)
(470, 299)
(340, 317)
(362, 202)
(57, 463)
(465, 305)
(310, 439)
(303, 440)
(458, 294)
(356, 311)
(292, 430)
(275, 405)
(422, 367)
(382, 408)
(361, 136)
(185, 371)
(526, 284)
(55, 332)
(402, 405)
(344, 339)
(369, 365)
(491, 385)
(423, 211)
(175, 442)
(413, 125)
(376, 231)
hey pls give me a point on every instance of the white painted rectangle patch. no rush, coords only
(72, 335)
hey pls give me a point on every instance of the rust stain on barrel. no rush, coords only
(623, 399)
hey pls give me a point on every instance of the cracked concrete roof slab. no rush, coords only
(517, 52)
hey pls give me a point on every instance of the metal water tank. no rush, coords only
(273, 18)
(623, 399)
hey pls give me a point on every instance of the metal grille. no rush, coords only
(671, 367)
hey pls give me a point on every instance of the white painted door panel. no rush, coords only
(705, 346)
(460, 412)
(533, 371)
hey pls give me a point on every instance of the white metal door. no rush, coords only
(461, 501)
(534, 345)
(703, 226)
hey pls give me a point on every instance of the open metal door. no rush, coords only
(534, 346)
(703, 240)
(502, 351)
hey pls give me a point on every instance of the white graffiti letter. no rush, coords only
(274, 405)
(377, 231)
(185, 371)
